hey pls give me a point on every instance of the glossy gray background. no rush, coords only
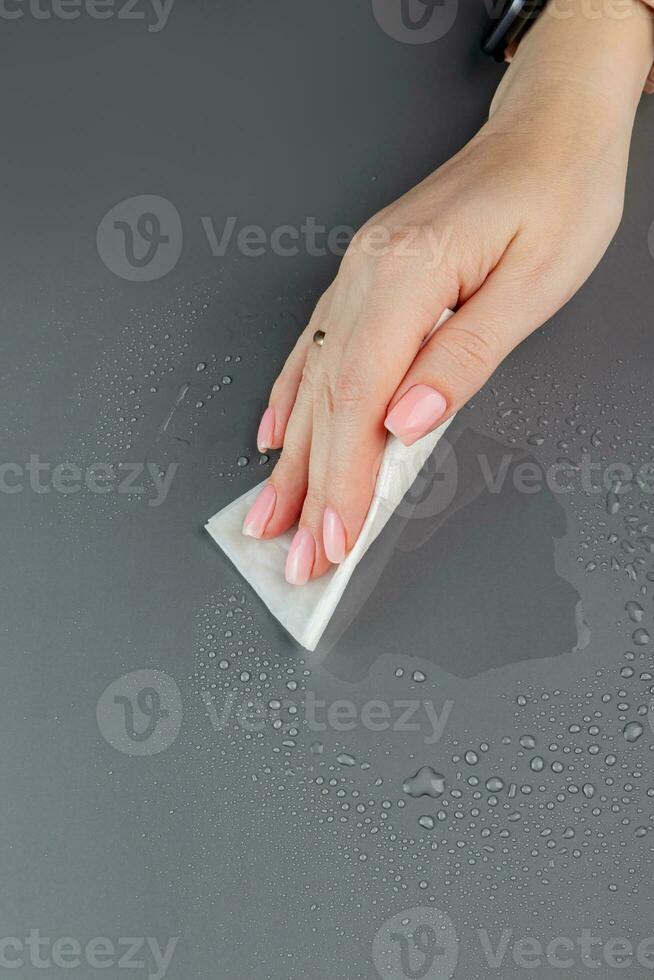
(272, 113)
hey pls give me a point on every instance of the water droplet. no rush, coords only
(537, 764)
(612, 503)
(632, 731)
(494, 784)
(427, 822)
(528, 741)
(345, 759)
(635, 611)
(426, 782)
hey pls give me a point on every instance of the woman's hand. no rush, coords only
(505, 233)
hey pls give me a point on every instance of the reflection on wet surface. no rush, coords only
(483, 567)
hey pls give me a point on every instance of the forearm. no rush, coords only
(598, 48)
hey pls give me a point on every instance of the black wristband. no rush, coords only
(509, 25)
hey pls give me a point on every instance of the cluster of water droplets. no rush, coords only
(166, 385)
(596, 446)
(131, 381)
(558, 807)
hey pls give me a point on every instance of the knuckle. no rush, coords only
(401, 239)
(346, 391)
(534, 273)
(394, 247)
(474, 353)
(382, 242)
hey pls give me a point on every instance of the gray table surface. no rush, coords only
(512, 626)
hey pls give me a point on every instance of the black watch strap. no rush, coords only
(507, 26)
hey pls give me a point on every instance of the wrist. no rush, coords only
(588, 54)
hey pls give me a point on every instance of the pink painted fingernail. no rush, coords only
(260, 512)
(266, 433)
(416, 413)
(333, 534)
(301, 557)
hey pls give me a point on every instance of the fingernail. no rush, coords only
(416, 413)
(260, 512)
(266, 433)
(300, 557)
(333, 534)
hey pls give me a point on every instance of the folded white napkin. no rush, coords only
(306, 610)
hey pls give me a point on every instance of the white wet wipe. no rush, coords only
(306, 610)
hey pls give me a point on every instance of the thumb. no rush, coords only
(461, 355)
